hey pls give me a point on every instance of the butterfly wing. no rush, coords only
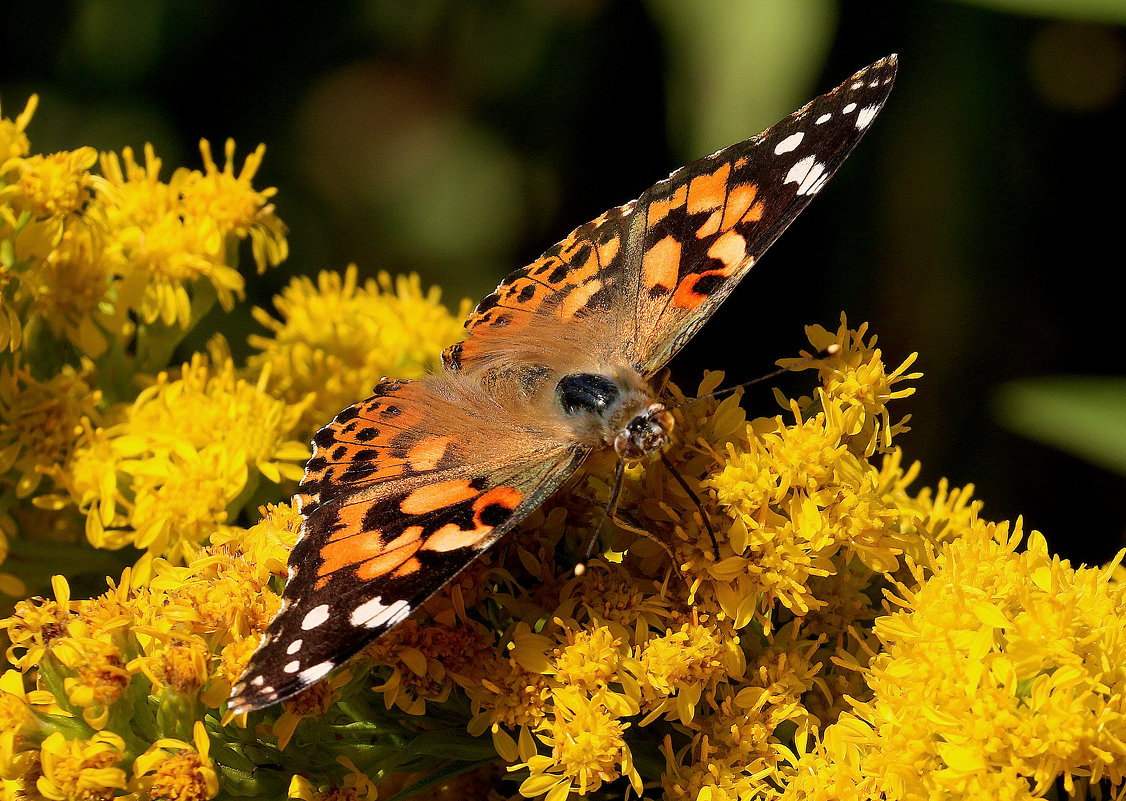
(402, 492)
(660, 265)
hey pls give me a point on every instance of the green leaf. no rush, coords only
(1083, 416)
(437, 776)
(453, 743)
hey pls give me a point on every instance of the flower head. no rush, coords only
(178, 771)
(13, 140)
(81, 768)
(165, 237)
(338, 338)
(168, 475)
(39, 419)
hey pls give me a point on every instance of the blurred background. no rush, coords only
(978, 223)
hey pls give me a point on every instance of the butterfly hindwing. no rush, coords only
(574, 277)
(395, 504)
(659, 266)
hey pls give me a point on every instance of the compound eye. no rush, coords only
(586, 393)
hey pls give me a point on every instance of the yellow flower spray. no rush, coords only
(854, 638)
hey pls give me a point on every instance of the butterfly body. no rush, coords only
(407, 487)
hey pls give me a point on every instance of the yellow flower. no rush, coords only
(676, 669)
(509, 697)
(56, 229)
(55, 186)
(91, 476)
(99, 677)
(168, 476)
(208, 404)
(70, 284)
(13, 145)
(588, 749)
(804, 497)
(37, 623)
(180, 498)
(428, 661)
(844, 636)
(312, 702)
(164, 237)
(39, 419)
(235, 208)
(858, 381)
(337, 338)
(266, 544)
(13, 140)
(216, 593)
(81, 769)
(591, 658)
(16, 724)
(182, 663)
(1016, 659)
(356, 786)
(172, 770)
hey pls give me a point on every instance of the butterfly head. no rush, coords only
(645, 433)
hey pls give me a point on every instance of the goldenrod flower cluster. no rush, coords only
(853, 637)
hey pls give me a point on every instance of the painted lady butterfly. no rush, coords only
(406, 488)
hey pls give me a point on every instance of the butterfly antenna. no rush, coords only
(615, 491)
(695, 499)
(824, 353)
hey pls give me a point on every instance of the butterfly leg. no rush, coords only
(695, 499)
(611, 504)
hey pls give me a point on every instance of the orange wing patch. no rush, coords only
(660, 267)
(433, 497)
(709, 191)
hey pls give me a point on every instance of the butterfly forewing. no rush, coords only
(406, 488)
(660, 265)
(708, 224)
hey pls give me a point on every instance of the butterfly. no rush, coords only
(405, 489)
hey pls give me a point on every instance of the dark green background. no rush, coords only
(979, 223)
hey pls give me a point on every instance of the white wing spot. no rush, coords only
(294, 647)
(258, 681)
(316, 671)
(400, 614)
(851, 107)
(367, 610)
(293, 666)
(824, 118)
(865, 117)
(789, 143)
(814, 188)
(316, 616)
(856, 85)
(808, 174)
(375, 613)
